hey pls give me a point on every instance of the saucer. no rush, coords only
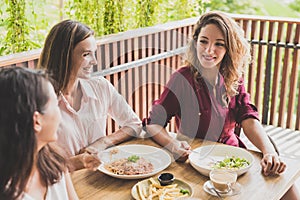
(235, 189)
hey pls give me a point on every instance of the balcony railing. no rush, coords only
(139, 62)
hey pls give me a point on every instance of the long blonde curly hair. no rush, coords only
(237, 56)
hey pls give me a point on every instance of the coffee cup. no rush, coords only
(223, 180)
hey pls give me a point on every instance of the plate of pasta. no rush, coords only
(151, 189)
(133, 161)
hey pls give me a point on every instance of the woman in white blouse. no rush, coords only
(31, 168)
(85, 102)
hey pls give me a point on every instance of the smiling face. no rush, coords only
(210, 46)
(83, 57)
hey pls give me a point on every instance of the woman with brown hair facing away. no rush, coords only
(31, 168)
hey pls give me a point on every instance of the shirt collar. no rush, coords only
(87, 90)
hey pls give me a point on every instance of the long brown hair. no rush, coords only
(237, 55)
(22, 93)
(58, 49)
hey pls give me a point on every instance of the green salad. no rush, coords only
(231, 163)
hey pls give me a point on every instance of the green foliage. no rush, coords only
(17, 28)
(112, 16)
(39, 24)
(232, 6)
(109, 17)
(2, 29)
(145, 12)
(272, 8)
(24, 24)
(103, 16)
(295, 5)
(171, 10)
(120, 4)
(86, 11)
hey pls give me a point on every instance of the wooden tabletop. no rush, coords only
(96, 185)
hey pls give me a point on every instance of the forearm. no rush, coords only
(271, 163)
(257, 135)
(76, 163)
(160, 135)
(179, 149)
(123, 134)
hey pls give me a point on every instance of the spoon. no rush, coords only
(212, 188)
(205, 157)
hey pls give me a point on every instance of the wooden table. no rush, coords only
(96, 185)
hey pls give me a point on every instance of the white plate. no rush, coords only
(202, 161)
(159, 159)
(146, 183)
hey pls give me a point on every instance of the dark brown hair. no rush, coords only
(23, 92)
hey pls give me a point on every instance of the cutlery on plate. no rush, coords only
(212, 188)
(209, 157)
(218, 194)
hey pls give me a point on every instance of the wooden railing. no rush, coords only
(273, 76)
(139, 63)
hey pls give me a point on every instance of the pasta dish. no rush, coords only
(133, 165)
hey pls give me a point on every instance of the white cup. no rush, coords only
(223, 180)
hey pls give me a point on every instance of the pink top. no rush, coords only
(198, 112)
(100, 99)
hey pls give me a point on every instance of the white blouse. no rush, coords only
(79, 129)
(57, 191)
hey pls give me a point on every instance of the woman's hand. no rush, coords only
(89, 158)
(272, 165)
(90, 161)
(180, 150)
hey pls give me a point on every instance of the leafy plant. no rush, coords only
(88, 12)
(109, 17)
(24, 24)
(295, 5)
(231, 6)
(22, 28)
(39, 25)
(120, 16)
(16, 39)
(145, 12)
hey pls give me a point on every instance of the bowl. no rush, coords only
(166, 179)
(203, 158)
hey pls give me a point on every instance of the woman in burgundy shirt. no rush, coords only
(207, 97)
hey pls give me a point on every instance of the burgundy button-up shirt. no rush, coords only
(200, 110)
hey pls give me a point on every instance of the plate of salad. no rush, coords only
(206, 158)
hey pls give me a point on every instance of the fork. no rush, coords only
(209, 157)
